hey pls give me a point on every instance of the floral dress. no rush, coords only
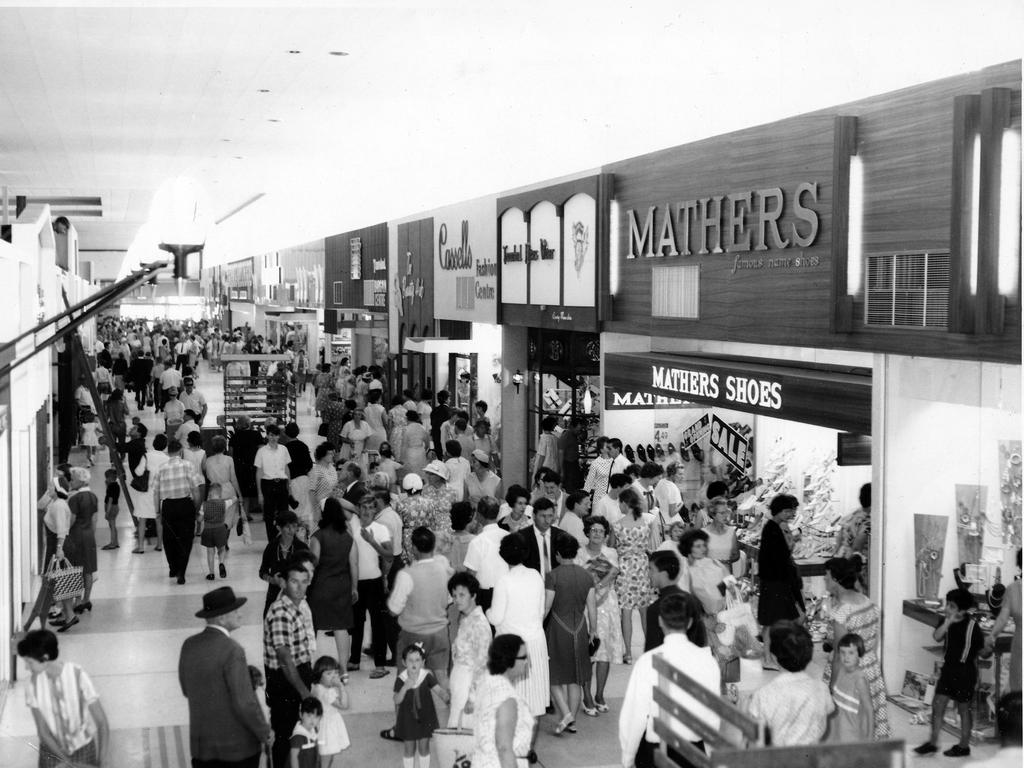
(431, 508)
(865, 620)
(493, 691)
(397, 437)
(609, 623)
(633, 586)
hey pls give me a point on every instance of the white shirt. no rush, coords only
(80, 727)
(572, 524)
(667, 495)
(608, 508)
(194, 401)
(638, 708)
(505, 510)
(458, 471)
(393, 522)
(369, 559)
(619, 464)
(273, 462)
(544, 545)
(170, 378)
(518, 604)
(482, 556)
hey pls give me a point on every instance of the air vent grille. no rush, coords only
(907, 290)
(675, 292)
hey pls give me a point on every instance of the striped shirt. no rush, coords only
(177, 479)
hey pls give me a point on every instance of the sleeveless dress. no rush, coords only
(866, 621)
(492, 692)
(609, 620)
(330, 593)
(633, 586)
(333, 735)
(375, 421)
(566, 631)
(397, 438)
(416, 440)
(80, 544)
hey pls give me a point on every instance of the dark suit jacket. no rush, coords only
(529, 538)
(355, 493)
(697, 633)
(225, 719)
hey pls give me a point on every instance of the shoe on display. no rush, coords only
(650, 452)
(628, 453)
(684, 454)
(671, 449)
(698, 453)
(641, 453)
(659, 451)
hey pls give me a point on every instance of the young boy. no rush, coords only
(794, 706)
(110, 506)
(213, 531)
(959, 677)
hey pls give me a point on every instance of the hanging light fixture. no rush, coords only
(517, 379)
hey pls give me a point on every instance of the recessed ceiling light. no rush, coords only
(263, 90)
(225, 139)
(338, 53)
(273, 120)
(239, 157)
(293, 51)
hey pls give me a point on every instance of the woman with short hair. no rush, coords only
(469, 648)
(69, 717)
(504, 725)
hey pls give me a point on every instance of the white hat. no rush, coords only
(482, 457)
(412, 482)
(437, 468)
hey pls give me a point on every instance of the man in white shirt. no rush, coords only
(193, 399)
(619, 462)
(272, 479)
(668, 499)
(482, 559)
(608, 505)
(170, 379)
(636, 720)
(633, 470)
(551, 488)
(577, 507)
(374, 553)
(391, 520)
(458, 467)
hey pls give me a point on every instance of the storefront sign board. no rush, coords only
(412, 278)
(730, 443)
(822, 395)
(753, 211)
(465, 265)
(616, 400)
(552, 253)
(695, 431)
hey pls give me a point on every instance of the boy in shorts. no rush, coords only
(959, 677)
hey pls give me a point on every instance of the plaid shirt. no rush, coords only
(177, 479)
(290, 625)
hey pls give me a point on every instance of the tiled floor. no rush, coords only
(130, 642)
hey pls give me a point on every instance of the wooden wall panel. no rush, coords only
(337, 264)
(905, 140)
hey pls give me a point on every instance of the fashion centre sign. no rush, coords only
(737, 222)
(465, 271)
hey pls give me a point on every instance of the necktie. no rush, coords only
(547, 558)
(649, 495)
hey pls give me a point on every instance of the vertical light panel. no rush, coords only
(855, 235)
(1009, 216)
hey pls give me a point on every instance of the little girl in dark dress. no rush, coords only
(416, 718)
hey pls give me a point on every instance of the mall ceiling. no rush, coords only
(301, 121)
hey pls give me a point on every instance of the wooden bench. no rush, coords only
(740, 740)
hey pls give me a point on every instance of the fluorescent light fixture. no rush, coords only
(855, 230)
(975, 210)
(613, 256)
(1009, 213)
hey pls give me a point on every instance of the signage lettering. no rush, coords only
(460, 257)
(728, 442)
(725, 224)
(561, 316)
(738, 389)
(635, 400)
(355, 249)
(407, 288)
(380, 265)
(695, 431)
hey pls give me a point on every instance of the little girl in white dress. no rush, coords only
(333, 695)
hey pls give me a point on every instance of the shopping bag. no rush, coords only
(452, 748)
(41, 606)
(140, 482)
(66, 580)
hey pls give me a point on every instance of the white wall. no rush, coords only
(941, 422)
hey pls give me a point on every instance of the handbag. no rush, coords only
(593, 645)
(67, 580)
(140, 482)
(323, 430)
(452, 747)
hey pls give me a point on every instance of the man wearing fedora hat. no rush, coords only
(226, 724)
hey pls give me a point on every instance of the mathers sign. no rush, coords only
(738, 390)
(615, 400)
